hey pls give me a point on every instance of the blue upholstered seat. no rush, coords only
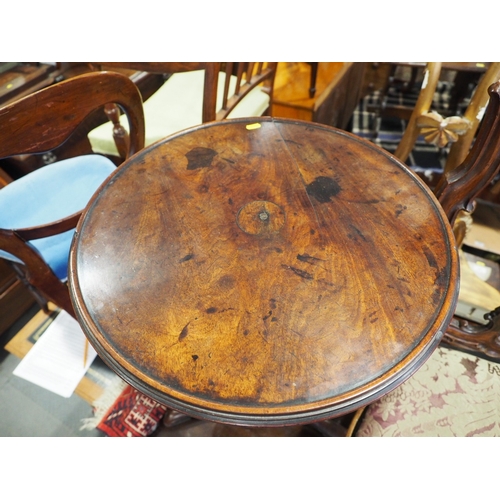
(48, 194)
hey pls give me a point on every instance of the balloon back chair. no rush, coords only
(39, 211)
(193, 93)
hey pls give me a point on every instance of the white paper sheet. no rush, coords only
(55, 362)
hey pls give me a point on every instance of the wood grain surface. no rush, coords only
(264, 272)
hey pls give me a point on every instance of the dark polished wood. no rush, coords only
(42, 121)
(264, 272)
(475, 338)
(458, 188)
(17, 166)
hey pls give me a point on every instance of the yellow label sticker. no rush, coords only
(480, 65)
(253, 126)
(9, 85)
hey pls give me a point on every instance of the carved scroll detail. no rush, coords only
(475, 338)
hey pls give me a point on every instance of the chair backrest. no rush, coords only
(462, 130)
(249, 75)
(43, 121)
(458, 188)
(240, 78)
(423, 105)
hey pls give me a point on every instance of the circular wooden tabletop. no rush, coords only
(264, 272)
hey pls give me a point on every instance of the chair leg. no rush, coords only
(39, 298)
(354, 421)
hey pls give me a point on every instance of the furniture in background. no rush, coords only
(264, 272)
(39, 211)
(314, 77)
(439, 130)
(476, 296)
(194, 93)
(20, 79)
(455, 393)
(405, 75)
(337, 91)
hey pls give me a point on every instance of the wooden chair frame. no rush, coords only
(474, 113)
(43, 121)
(248, 76)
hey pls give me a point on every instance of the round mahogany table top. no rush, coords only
(264, 272)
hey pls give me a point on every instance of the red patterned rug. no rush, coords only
(125, 412)
(133, 415)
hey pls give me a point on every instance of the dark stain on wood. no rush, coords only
(187, 257)
(440, 282)
(358, 233)
(298, 272)
(184, 332)
(328, 283)
(430, 258)
(268, 315)
(200, 158)
(195, 357)
(211, 310)
(323, 189)
(400, 209)
(308, 258)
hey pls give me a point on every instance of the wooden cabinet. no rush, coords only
(338, 90)
(15, 299)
